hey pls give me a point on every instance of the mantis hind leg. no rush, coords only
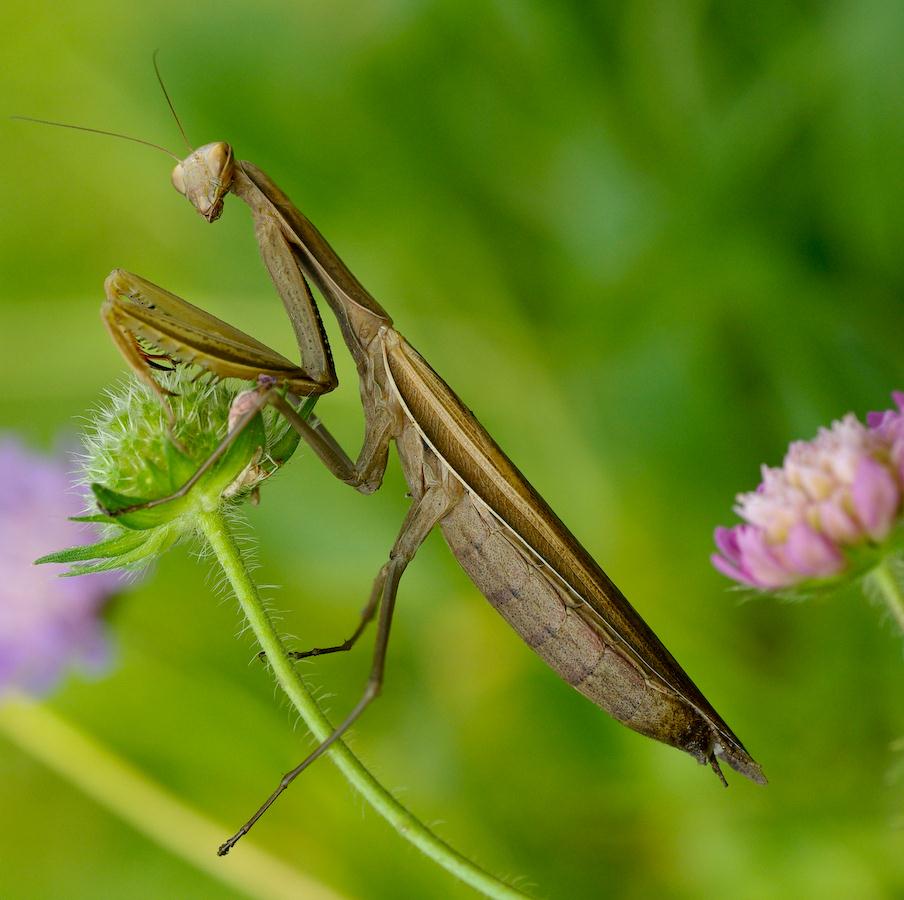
(422, 516)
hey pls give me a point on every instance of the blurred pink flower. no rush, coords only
(47, 623)
(840, 490)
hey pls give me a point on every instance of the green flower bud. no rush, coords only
(132, 456)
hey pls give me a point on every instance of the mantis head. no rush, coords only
(204, 178)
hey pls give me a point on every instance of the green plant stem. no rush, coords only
(150, 809)
(407, 825)
(888, 584)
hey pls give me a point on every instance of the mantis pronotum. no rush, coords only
(509, 541)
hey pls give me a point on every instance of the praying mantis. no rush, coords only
(508, 540)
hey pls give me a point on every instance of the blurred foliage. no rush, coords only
(649, 243)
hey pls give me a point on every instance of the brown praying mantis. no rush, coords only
(515, 549)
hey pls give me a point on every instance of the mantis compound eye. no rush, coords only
(217, 159)
(178, 177)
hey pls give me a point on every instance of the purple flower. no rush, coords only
(839, 491)
(47, 623)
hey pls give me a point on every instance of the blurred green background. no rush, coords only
(649, 243)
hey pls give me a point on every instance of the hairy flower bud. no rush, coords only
(133, 455)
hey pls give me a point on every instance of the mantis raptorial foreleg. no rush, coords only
(136, 311)
(422, 517)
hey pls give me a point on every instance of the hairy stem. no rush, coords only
(405, 823)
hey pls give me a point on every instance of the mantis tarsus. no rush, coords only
(506, 537)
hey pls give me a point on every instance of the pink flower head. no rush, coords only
(842, 489)
(47, 623)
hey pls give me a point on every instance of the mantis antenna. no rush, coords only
(169, 102)
(116, 134)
